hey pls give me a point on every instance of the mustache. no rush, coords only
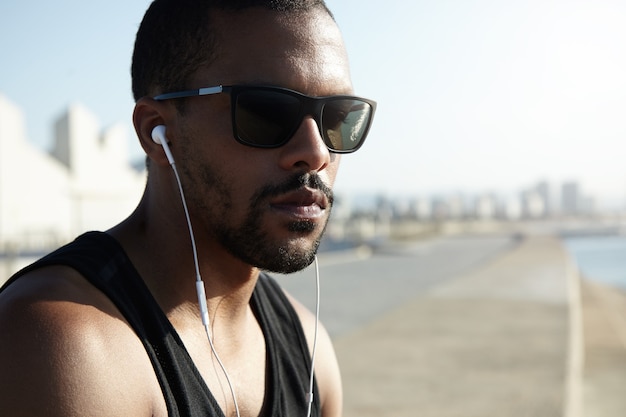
(294, 183)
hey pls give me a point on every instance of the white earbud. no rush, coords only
(158, 136)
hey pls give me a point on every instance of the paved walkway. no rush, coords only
(507, 339)
(604, 327)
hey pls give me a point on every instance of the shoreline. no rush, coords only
(495, 341)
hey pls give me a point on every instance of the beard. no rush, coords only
(249, 241)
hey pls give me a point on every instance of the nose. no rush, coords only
(306, 149)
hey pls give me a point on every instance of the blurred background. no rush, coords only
(496, 121)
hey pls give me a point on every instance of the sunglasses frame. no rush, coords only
(310, 106)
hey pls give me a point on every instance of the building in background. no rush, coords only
(545, 194)
(570, 198)
(85, 183)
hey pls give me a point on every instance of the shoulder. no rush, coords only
(326, 366)
(56, 353)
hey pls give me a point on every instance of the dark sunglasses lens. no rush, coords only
(265, 118)
(345, 123)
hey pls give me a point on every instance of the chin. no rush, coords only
(292, 257)
(303, 226)
(281, 248)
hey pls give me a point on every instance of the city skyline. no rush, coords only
(539, 200)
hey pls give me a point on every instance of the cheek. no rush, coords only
(333, 168)
(238, 180)
(205, 182)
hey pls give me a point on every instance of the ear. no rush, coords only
(149, 113)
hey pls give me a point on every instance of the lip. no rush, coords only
(304, 203)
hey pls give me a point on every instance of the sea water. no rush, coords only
(600, 258)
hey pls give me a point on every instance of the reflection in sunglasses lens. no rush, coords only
(344, 123)
(266, 118)
(269, 119)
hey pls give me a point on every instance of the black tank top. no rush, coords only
(103, 262)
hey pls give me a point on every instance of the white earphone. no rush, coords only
(158, 137)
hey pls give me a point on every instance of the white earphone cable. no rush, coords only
(309, 396)
(204, 312)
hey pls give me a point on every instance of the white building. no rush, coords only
(534, 204)
(85, 183)
(486, 207)
(570, 198)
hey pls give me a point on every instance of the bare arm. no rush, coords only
(56, 358)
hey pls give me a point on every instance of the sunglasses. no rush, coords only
(267, 117)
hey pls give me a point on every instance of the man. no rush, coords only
(111, 325)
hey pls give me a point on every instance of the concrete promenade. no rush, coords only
(604, 327)
(521, 335)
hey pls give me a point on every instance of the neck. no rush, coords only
(161, 251)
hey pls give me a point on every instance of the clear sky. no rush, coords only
(474, 95)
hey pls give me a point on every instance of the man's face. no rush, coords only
(267, 207)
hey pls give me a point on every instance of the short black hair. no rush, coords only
(175, 38)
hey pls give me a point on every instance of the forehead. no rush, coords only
(299, 50)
